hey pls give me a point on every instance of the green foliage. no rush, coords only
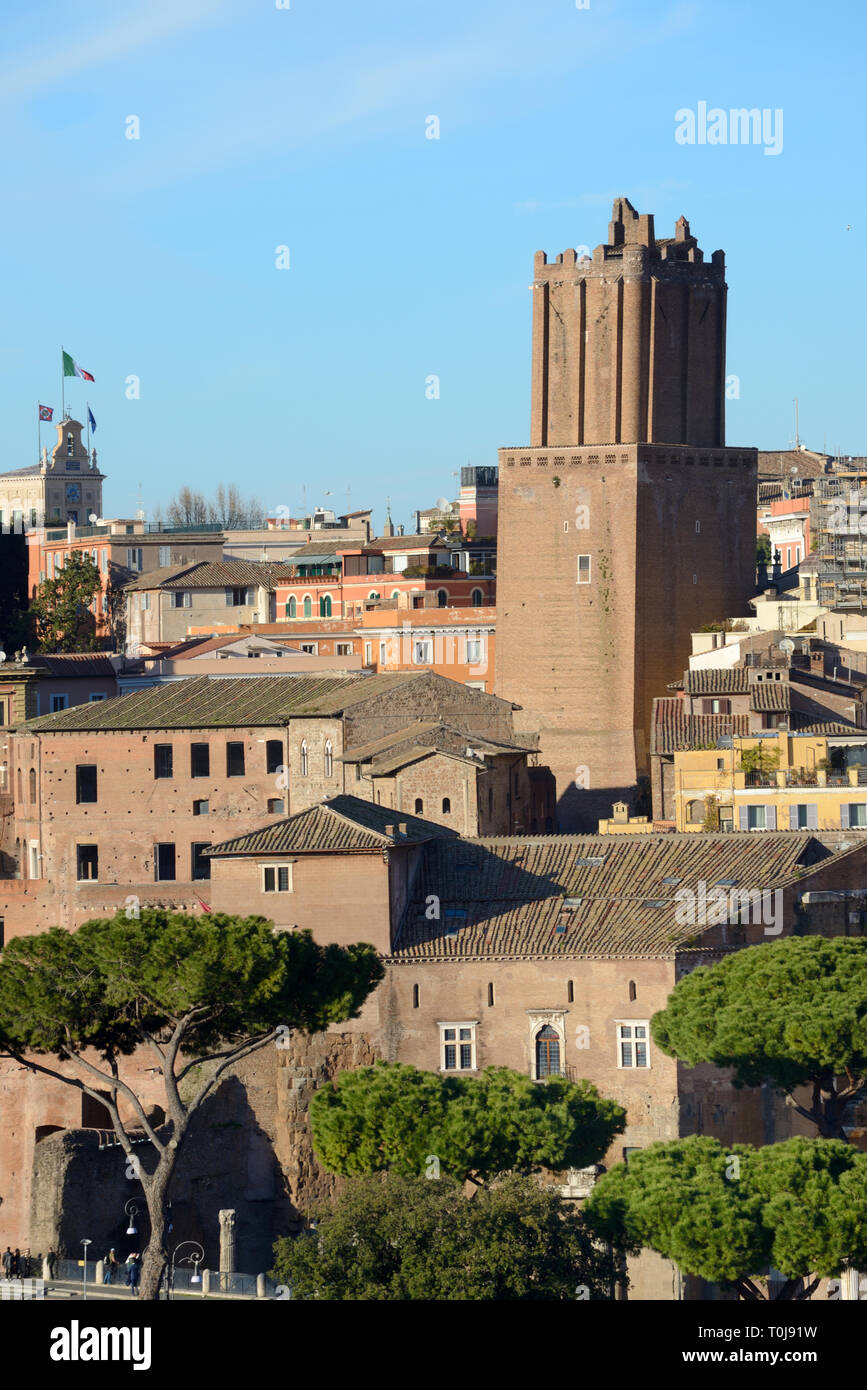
(710, 822)
(117, 979)
(786, 1010)
(393, 1116)
(410, 1238)
(727, 1214)
(61, 608)
(763, 550)
(759, 759)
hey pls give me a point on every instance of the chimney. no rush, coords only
(389, 830)
(418, 523)
(402, 827)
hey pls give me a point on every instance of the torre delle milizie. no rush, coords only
(625, 523)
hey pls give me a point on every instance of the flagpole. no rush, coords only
(87, 408)
(62, 387)
(38, 431)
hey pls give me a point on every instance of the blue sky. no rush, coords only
(305, 127)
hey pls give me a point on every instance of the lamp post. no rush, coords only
(85, 1243)
(132, 1212)
(194, 1260)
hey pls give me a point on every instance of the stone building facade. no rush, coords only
(65, 487)
(626, 520)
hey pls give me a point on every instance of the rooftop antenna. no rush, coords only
(797, 435)
(140, 511)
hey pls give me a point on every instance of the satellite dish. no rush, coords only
(444, 504)
(787, 645)
(92, 518)
(2, 657)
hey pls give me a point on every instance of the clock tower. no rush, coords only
(67, 486)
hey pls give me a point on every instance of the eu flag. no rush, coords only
(91, 419)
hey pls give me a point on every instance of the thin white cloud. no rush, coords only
(28, 76)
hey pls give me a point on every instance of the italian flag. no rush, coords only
(71, 368)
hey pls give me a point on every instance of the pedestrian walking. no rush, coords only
(7, 1263)
(110, 1267)
(135, 1273)
(16, 1265)
(51, 1260)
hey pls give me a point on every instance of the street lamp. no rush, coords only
(132, 1212)
(194, 1260)
(85, 1243)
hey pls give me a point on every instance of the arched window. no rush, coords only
(442, 598)
(304, 758)
(447, 806)
(32, 780)
(419, 806)
(415, 996)
(695, 812)
(476, 598)
(372, 596)
(292, 607)
(329, 758)
(308, 607)
(395, 593)
(547, 1052)
(325, 606)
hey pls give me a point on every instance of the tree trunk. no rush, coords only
(156, 1256)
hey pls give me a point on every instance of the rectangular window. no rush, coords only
(277, 878)
(34, 859)
(133, 558)
(474, 649)
(97, 695)
(583, 569)
(756, 818)
(309, 647)
(200, 760)
(344, 649)
(164, 863)
(200, 808)
(422, 652)
(59, 702)
(163, 762)
(368, 653)
(276, 806)
(800, 817)
(144, 602)
(182, 598)
(858, 814)
(87, 861)
(632, 1045)
(165, 556)
(457, 1046)
(240, 598)
(234, 760)
(85, 783)
(103, 561)
(200, 865)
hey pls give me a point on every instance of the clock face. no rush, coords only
(73, 492)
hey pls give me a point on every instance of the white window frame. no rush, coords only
(427, 644)
(33, 870)
(759, 806)
(134, 558)
(144, 602)
(184, 595)
(631, 1041)
(578, 578)
(457, 1042)
(277, 869)
(474, 642)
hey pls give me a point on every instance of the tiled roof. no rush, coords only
(214, 574)
(506, 898)
(434, 734)
(74, 664)
(832, 727)
(401, 543)
(203, 702)
(343, 823)
(771, 695)
(672, 730)
(29, 472)
(729, 680)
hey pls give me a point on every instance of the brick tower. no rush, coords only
(626, 523)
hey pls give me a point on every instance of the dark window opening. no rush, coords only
(87, 860)
(95, 1115)
(632, 991)
(419, 806)
(547, 1052)
(200, 808)
(85, 783)
(570, 993)
(200, 865)
(447, 806)
(273, 755)
(163, 760)
(490, 996)
(200, 760)
(234, 760)
(164, 863)
(415, 996)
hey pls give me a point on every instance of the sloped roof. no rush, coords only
(201, 702)
(341, 824)
(672, 730)
(771, 695)
(214, 574)
(28, 472)
(728, 680)
(73, 664)
(505, 898)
